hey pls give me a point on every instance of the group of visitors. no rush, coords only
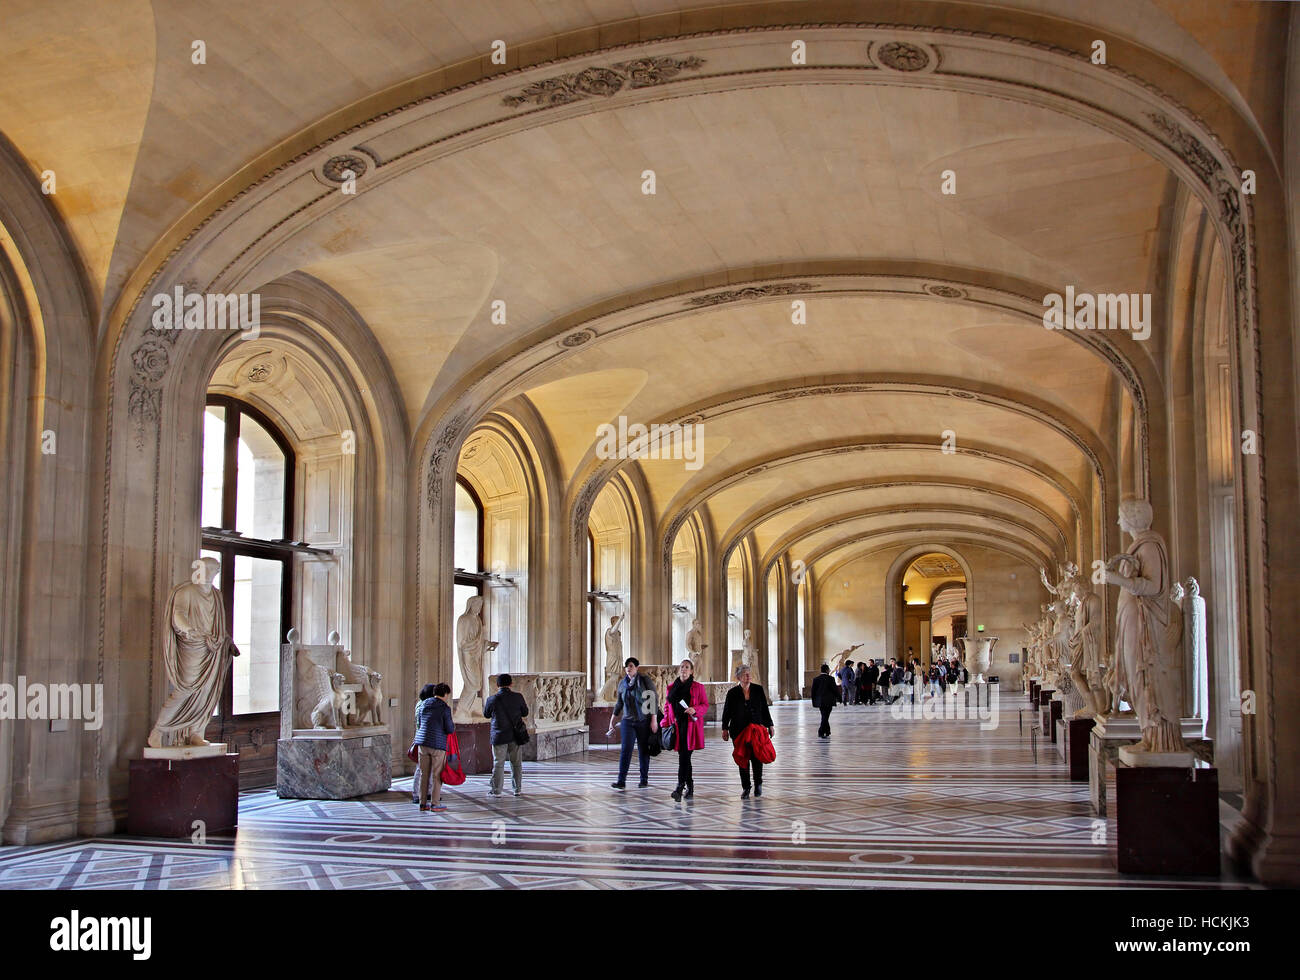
(746, 722)
(866, 683)
(434, 726)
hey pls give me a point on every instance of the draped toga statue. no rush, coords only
(1148, 632)
(1087, 656)
(196, 655)
(471, 646)
(613, 660)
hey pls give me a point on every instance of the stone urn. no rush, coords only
(981, 657)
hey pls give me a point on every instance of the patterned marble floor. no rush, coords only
(886, 803)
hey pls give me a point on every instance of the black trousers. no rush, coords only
(758, 774)
(825, 728)
(685, 775)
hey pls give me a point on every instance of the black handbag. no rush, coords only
(521, 732)
(653, 744)
(668, 737)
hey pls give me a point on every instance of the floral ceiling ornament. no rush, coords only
(336, 168)
(750, 292)
(595, 81)
(901, 56)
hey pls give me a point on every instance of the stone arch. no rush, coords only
(893, 590)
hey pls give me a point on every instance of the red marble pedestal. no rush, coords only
(598, 722)
(165, 797)
(1163, 821)
(1078, 731)
(475, 747)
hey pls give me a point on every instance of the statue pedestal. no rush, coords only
(166, 796)
(334, 765)
(1077, 733)
(1109, 735)
(1165, 821)
(187, 751)
(476, 747)
(598, 716)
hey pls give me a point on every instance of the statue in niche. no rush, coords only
(472, 647)
(1087, 656)
(196, 654)
(1148, 632)
(613, 659)
(748, 652)
(695, 647)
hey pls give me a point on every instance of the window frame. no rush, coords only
(278, 549)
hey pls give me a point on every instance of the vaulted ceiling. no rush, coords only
(817, 434)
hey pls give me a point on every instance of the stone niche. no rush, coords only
(557, 713)
(334, 742)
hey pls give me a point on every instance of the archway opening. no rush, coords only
(932, 597)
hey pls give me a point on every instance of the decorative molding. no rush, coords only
(442, 451)
(605, 82)
(750, 292)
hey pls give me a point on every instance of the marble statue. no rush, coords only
(1148, 634)
(330, 710)
(695, 647)
(837, 661)
(368, 704)
(1087, 654)
(613, 659)
(196, 654)
(472, 646)
(748, 652)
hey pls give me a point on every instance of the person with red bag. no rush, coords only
(433, 725)
(747, 721)
(687, 704)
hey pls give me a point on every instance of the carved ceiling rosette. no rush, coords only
(904, 56)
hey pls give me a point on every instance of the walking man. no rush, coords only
(507, 709)
(823, 699)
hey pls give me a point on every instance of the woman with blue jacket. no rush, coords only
(432, 726)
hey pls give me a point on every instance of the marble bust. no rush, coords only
(196, 654)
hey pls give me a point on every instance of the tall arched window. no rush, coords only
(247, 518)
(468, 562)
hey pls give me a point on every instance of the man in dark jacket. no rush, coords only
(636, 708)
(824, 697)
(507, 709)
(870, 678)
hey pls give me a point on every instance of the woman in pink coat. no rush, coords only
(688, 702)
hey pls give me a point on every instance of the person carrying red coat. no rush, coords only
(746, 706)
(685, 708)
